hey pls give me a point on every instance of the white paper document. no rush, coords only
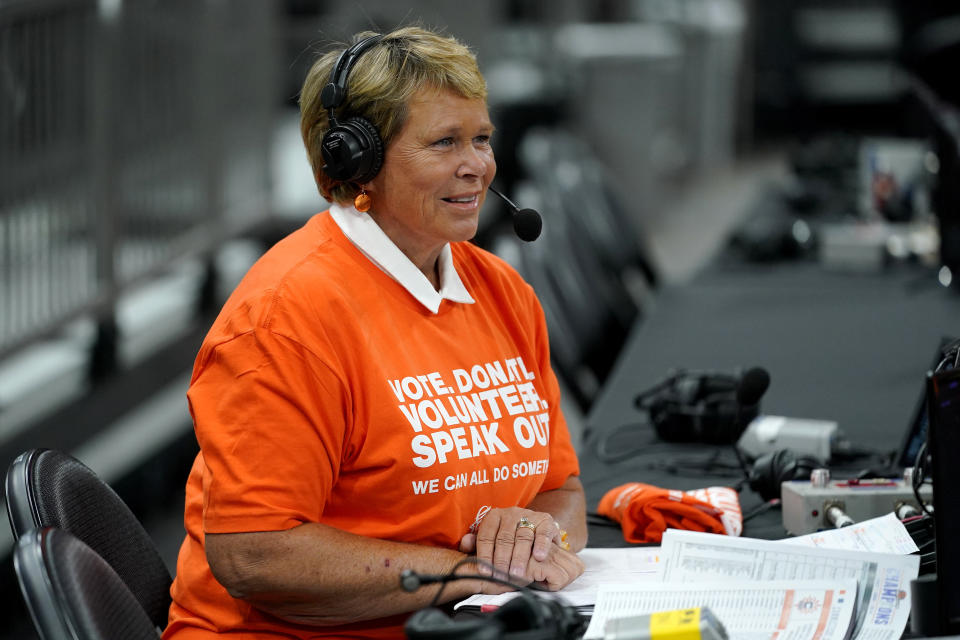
(884, 534)
(883, 589)
(784, 610)
(602, 566)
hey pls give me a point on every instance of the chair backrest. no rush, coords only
(565, 167)
(48, 488)
(566, 349)
(599, 312)
(73, 594)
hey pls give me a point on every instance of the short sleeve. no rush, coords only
(271, 419)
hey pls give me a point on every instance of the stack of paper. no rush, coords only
(833, 585)
(755, 611)
(794, 581)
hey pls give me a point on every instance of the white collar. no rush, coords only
(367, 236)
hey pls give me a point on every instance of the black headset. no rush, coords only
(697, 407)
(525, 617)
(773, 469)
(352, 149)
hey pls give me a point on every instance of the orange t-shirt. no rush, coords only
(324, 392)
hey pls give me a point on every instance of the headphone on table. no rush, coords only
(704, 406)
(771, 470)
(352, 149)
(525, 617)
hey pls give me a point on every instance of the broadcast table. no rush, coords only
(853, 348)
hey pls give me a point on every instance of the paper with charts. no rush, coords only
(784, 610)
(883, 579)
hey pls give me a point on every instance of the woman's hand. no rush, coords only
(523, 546)
(560, 569)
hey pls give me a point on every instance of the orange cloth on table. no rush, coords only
(645, 511)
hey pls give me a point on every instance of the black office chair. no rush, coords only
(568, 352)
(48, 488)
(73, 594)
(566, 170)
(590, 304)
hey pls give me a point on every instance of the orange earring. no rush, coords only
(362, 202)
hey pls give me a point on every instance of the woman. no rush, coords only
(376, 395)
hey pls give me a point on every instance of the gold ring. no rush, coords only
(564, 544)
(526, 524)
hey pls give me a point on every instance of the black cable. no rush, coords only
(708, 466)
(950, 351)
(919, 473)
(474, 560)
(762, 508)
(596, 519)
(742, 463)
(604, 440)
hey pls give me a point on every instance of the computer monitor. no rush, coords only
(916, 433)
(943, 406)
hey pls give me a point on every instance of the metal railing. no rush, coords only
(132, 133)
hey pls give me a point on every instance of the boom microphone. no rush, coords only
(527, 223)
(410, 581)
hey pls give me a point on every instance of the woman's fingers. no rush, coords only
(506, 545)
(523, 543)
(468, 543)
(562, 568)
(486, 540)
(510, 538)
(548, 534)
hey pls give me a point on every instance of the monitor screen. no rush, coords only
(916, 433)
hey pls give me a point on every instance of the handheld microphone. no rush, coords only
(527, 223)
(753, 384)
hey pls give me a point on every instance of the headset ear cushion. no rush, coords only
(372, 158)
(352, 150)
(773, 469)
(523, 613)
(765, 475)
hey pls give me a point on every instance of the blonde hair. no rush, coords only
(380, 86)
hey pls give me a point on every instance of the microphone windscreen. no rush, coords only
(753, 384)
(527, 224)
(410, 581)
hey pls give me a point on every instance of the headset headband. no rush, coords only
(335, 91)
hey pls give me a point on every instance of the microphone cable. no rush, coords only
(746, 389)
(410, 580)
(610, 454)
(918, 477)
(554, 617)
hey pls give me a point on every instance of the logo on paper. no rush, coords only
(809, 605)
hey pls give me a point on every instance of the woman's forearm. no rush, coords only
(316, 574)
